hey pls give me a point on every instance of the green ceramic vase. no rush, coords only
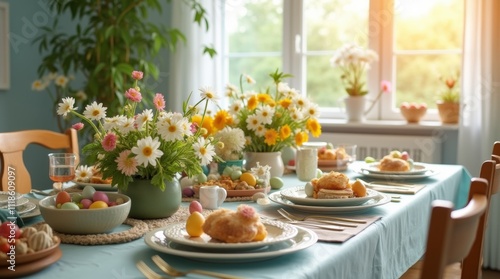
(149, 202)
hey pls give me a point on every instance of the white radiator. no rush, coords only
(425, 149)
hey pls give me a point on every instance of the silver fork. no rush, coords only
(168, 269)
(148, 272)
(306, 223)
(321, 217)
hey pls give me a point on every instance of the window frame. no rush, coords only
(380, 39)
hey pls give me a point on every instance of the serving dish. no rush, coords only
(276, 232)
(298, 195)
(31, 257)
(395, 177)
(33, 266)
(4, 197)
(304, 238)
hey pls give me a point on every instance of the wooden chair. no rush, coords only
(472, 264)
(495, 156)
(13, 144)
(451, 232)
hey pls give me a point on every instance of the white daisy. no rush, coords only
(147, 151)
(127, 126)
(253, 122)
(66, 106)
(38, 85)
(260, 131)
(265, 114)
(84, 173)
(209, 93)
(145, 116)
(95, 111)
(235, 107)
(114, 122)
(300, 101)
(61, 81)
(249, 79)
(205, 151)
(170, 129)
(312, 110)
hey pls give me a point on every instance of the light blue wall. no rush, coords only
(20, 107)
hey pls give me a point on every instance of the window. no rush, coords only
(417, 42)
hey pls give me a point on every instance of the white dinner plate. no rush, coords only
(377, 201)
(276, 232)
(97, 186)
(302, 240)
(4, 197)
(31, 213)
(298, 195)
(392, 177)
(417, 169)
(19, 202)
(25, 208)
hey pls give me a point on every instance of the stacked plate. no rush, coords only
(97, 186)
(296, 198)
(418, 171)
(281, 239)
(23, 206)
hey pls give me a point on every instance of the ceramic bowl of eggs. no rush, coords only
(88, 212)
(413, 112)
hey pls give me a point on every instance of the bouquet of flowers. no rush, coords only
(154, 145)
(353, 61)
(272, 119)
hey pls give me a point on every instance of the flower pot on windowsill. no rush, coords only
(449, 112)
(355, 108)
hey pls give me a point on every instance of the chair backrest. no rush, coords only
(495, 156)
(12, 146)
(472, 264)
(452, 232)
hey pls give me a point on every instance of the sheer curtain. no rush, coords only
(190, 69)
(479, 126)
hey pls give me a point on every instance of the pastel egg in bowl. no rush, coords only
(85, 221)
(413, 112)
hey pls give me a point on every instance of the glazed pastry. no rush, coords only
(242, 225)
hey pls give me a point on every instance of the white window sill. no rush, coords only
(393, 127)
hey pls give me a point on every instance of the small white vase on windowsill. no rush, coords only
(355, 108)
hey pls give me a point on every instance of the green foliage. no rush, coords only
(110, 39)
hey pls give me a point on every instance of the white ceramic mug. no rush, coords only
(306, 163)
(211, 197)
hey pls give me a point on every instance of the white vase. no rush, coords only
(272, 159)
(355, 108)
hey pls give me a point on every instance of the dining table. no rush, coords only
(384, 249)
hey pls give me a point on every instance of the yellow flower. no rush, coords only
(314, 127)
(300, 138)
(252, 103)
(271, 137)
(285, 132)
(221, 119)
(207, 122)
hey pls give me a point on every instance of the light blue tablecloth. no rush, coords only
(386, 249)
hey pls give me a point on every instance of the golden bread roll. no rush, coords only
(389, 163)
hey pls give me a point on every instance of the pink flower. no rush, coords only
(386, 86)
(194, 127)
(78, 126)
(133, 95)
(137, 75)
(159, 101)
(109, 142)
(127, 165)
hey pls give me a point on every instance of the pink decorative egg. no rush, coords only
(86, 203)
(100, 196)
(195, 206)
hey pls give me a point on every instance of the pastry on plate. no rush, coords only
(242, 225)
(332, 185)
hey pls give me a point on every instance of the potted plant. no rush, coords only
(449, 103)
(144, 152)
(108, 40)
(353, 62)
